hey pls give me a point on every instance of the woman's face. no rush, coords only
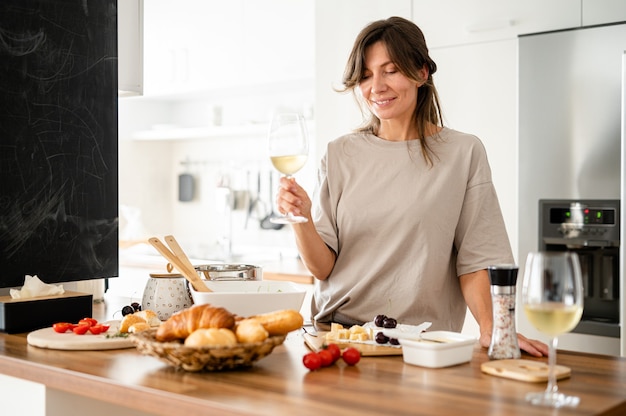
(389, 94)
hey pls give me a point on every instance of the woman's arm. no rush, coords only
(318, 258)
(476, 289)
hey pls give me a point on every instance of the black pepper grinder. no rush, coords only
(504, 336)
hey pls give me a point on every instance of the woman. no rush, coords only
(407, 219)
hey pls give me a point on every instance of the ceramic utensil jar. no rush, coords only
(166, 294)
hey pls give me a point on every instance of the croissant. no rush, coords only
(183, 323)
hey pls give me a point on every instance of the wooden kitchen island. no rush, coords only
(279, 384)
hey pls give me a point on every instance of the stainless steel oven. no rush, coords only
(591, 229)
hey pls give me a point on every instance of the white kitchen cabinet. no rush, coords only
(195, 46)
(453, 22)
(597, 12)
(130, 47)
(278, 41)
(188, 43)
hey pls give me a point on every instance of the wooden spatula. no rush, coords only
(183, 265)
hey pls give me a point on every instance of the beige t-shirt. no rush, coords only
(404, 231)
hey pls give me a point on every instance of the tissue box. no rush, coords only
(25, 315)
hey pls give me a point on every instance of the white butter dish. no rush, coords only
(438, 349)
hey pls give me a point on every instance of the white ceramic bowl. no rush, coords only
(253, 297)
(438, 349)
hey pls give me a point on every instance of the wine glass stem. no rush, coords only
(552, 386)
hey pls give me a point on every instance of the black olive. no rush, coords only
(136, 306)
(381, 338)
(394, 341)
(390, 323)
(127, 310)
(378, 321)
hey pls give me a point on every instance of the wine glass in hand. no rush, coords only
(288, 150)
(552, 296)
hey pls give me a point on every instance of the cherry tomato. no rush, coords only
(326, 357)
(98, 329)
(62, 327)
(80, 329)
(88, 321)
(351, 356)
(334, 350)
(312, 361)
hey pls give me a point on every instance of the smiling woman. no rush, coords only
(401, 201)
(387, 92)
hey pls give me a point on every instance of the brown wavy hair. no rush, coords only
(407, 49)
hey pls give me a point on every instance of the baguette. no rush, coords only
(280, 322)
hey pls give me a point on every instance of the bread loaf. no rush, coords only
(183, 323)
(211, 337)
(280, 322)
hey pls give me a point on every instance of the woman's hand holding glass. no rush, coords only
(293, 198)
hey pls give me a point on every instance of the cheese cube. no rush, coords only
(359, 337)
(335, 327)
(343, 334)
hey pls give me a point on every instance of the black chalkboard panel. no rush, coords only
(58, 140)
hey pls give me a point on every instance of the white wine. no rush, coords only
(553, 318)
(289, 164)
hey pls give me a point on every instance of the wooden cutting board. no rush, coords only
(523, 370)
(316, 343)
(47, 338)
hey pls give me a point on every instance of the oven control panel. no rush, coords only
(579, 222)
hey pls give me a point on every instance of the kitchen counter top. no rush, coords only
(280, 384)
(287, 269)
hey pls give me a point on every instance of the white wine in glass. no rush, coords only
(552, 295)
(288, 151)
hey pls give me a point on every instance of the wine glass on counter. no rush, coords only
(552, 297)
(288, 151)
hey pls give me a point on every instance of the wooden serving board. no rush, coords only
(523, 370)
(316, 343)
(47, 338)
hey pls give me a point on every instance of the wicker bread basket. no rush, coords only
(204, 359)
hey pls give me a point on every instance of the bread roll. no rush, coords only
(250, 330)
(130, 320)
(280, 322)
(138, 327)
(211, 337)
(149, 316)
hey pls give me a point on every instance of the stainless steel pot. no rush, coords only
(229, 272)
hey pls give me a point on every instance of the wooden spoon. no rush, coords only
(186, 270)
(179, 252)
